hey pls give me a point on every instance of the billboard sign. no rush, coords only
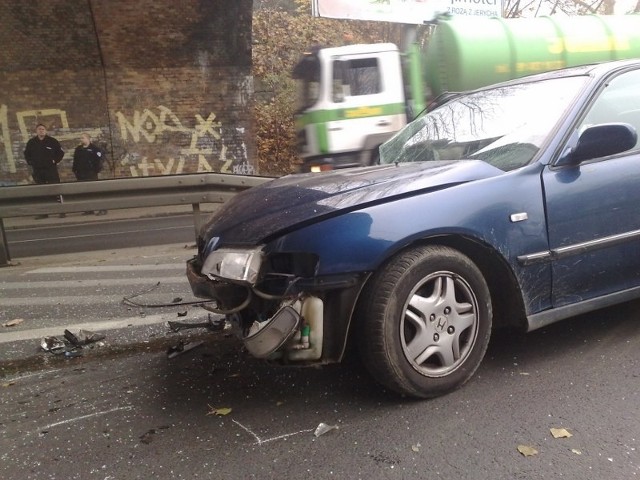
(404, 11)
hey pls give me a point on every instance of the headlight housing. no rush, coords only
(240, 265)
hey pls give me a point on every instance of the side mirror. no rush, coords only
(601, 141)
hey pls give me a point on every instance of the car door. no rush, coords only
(593, 209)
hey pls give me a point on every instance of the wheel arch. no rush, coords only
(506, 298)
(507, 301)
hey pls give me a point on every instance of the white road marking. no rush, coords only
(105, 282)
(83, 417)
(109, 268)
(6, 337)
(86, 300)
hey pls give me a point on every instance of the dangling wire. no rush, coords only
(202, 303)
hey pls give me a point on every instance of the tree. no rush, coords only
(284, 29)
(281, 35)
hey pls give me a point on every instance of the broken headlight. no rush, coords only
(239, 265)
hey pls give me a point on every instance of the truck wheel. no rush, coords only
(424, 321)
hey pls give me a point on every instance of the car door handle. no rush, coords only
(383, 123)
(335, 129)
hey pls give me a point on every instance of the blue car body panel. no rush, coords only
(478, 210)
(568, 236)
(263, 211)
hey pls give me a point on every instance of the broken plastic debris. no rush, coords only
(84, 337)
(560, 433)
(416, 447)
(212, 324)
(13, 323)
(323, 428)
(52, 344)
(576, 451)
(181, 348)
(527, 451)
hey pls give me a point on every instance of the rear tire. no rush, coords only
(424, 321)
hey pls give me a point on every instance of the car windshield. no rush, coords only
(503, 126)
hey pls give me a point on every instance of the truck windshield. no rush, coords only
(503, 126)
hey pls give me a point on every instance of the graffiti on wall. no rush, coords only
(5, 138)
(205, 145)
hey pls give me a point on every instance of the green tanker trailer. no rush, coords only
(355, 97)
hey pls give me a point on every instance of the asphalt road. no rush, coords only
(125, 410)
(52, 239)
(142, 415)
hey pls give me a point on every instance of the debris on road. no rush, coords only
(181, 348)
(212, 324)
(84, 337)
(70, 344)
(560, 433)
(323, 428)
(527, 451)
(147, 436)
(13, 323)
(52, 345)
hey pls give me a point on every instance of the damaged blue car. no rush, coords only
(512, 205)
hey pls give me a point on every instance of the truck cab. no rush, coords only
(350, 100)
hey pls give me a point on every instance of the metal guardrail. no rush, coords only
(189, 189)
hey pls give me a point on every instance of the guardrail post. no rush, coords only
(197, 218)
(5, 259)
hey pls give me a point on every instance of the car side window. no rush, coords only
(618, 102)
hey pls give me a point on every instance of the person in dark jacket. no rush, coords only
(87, 163)
(43, 153)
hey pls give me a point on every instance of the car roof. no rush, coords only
(594, 69)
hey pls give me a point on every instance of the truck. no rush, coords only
(353, 98)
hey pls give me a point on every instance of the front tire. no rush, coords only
(424, 321)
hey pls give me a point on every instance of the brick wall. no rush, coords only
(164, 86)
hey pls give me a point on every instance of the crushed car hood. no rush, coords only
(260, 212)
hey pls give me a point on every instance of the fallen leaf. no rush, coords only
(560, 433)
(177, 300)
(527, 451)
(8, 384)
(218, 411)
(13, 323)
